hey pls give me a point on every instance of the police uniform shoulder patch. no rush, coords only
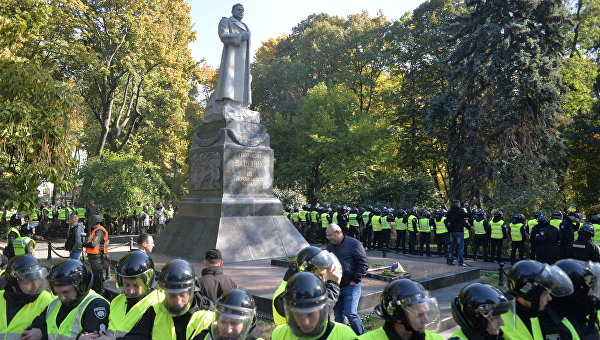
(100, 312)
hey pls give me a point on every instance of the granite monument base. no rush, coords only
(231, 205)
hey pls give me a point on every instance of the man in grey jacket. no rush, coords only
(75, 237)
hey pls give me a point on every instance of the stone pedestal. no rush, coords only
(231, 205)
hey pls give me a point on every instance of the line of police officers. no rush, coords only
(415, 230)
(544, 301)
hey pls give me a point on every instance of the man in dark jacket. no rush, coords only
(354, 263)
(584, 249)
(213, 282)
(566, 233)
(457, 222)
(546, 241)
(74, 243)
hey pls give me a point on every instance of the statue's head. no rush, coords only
(238, 11)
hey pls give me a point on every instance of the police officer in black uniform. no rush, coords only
(533, 231)
(342, 218)
(568, 227)
(574, 315)
(547, 248)
(584, 248)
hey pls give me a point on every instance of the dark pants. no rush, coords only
(401, 240)
(98, 271)
(376, 239)
(412, 241)
(532, 250)
(385, 239)
(425, 242)
(323, 235)
(368, 237)
(496, 249)
(353, 232)
(517, 245)
(442, 243)
(481, 240)
(467, 241)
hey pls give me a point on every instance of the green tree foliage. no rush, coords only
(329, 146)
(37, 112)
(116, 181)
(503, 148)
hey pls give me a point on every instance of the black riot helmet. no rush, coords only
(479, 212)
(305, 294)
(498, 213)
(425, 213)
(369, 208)
(235, 307)
(71, 272)
(354, 210)
(583, 280)
(400, 213)
(26, 268)
(412, 211)
(519, 217)
(402, 300)
(311, 258)
(537, 214)
(543, 220)
(557, 214)
(138, 266)
(476, 305)
(377, 211)
(595, 219)
(528, 279)
(176, 277)
(586, 230)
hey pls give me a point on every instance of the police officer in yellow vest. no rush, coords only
(441, 231)
(76, 310)
(478, 310)
(235, 318)
(23, 245)
(135, 278)
(387, 218)
(532, 284)
(595, 221)
(183, 312)
(534, 228)
(399, 218)
(556, 219)
(412, 224)
(584, 248)
(11, 235)
(574, 316)
(25, 296)
(354, 223)
(425, 232)
(518, 235)
(498, 233)
(307, 312)
(409, 313)
(367, 235)
(324, 220)
(317, 261)
(376, 223)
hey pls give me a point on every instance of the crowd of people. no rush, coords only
(549, 297)
(479, 234)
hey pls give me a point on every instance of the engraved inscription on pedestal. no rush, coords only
(205, 170)
(250, 172)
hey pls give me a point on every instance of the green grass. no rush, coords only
(490, 278)
(372, 322)
(375, 265)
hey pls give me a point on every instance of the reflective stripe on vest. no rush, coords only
(424, 225)
(62, 214)
(20, 245)
(466, 233)
(71, 325)
(334, 218)
(164, 328)
(365, 217)
(295, 217)
(376, 222)
(555, 223)
(24, 316)
(496, 228)
(313, 216)
(399, 224)
(353, 220)
(385, 224)
(440, 226)
(278, 318)
(81, 212)
(515, 232)
(33, 216)
(303, 216)
(121, 321)
(48, 212)
(324, 220)
(479, 228)
(596, 237)
(410, 220)
(102, 245)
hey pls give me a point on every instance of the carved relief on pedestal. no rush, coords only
(205, 170)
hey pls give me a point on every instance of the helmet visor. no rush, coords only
(595, 285)
(231, 325)
(424, 314)
(556, 281)
(32, 280)
(177, 301)
(319, 261)
(134, 285)
(307, 322)
(503, 313)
